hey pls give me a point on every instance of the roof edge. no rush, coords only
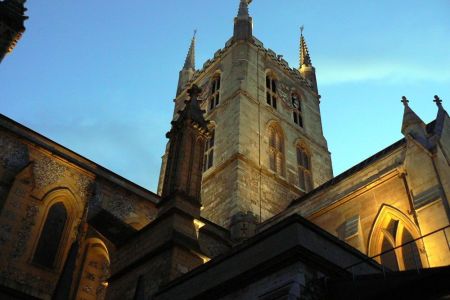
(73, 157)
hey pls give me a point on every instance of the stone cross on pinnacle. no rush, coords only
(437, 100)
(405, 101)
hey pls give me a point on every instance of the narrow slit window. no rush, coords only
(297, 110)
(276, 151)
(214, 99)
(304, 171)
(271, 91)
(208, 159)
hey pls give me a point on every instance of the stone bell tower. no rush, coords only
(266, 145)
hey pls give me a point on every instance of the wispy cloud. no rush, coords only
(331, 73)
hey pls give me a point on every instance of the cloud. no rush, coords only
(332, 73)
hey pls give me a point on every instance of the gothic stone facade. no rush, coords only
(252, 213)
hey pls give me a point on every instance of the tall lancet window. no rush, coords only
(297, 109)
(214, 99)
(271, 91)
(276, 150)
(51, 235)
(304, 169)
(404, 258)
(208, 159)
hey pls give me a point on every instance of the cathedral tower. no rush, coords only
(266, 146)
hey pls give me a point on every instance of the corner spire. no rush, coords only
(243, 9)
(243, 23)
(441, 116)
(189, 63)
(411, 121)
(188, 70)
(305, 59)
(186, 149)
(307, 71)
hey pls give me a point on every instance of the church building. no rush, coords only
(247, 205)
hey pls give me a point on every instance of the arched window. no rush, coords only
(51, 235)
(404, 258)
(215, 92)
(208, 159)
(271, 91)
(297, 112)
(276, 150)
(390, 233)
(304, 169)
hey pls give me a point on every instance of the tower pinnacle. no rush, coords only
(188, 69)
(243, 23)
(305, 59)
(411, 121)
(243, 8)
(189, 63)
(306, 68)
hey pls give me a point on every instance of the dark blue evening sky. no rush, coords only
(99, 76)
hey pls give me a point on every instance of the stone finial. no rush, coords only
(243, 8)
(405, 101)
(243, 24)
(437, 100)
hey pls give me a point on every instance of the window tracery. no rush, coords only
(297, 109)
(208, 159)
(304, 169)
(271, 91)
(214, 99)
(276, 150)
(391, 240)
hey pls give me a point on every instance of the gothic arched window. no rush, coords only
(404, 258)
(208, 159)
(304, 169)
(391, 241)
(297, 112)
(51, 235)
(276, 150)
(215, 92)
(271, 91)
